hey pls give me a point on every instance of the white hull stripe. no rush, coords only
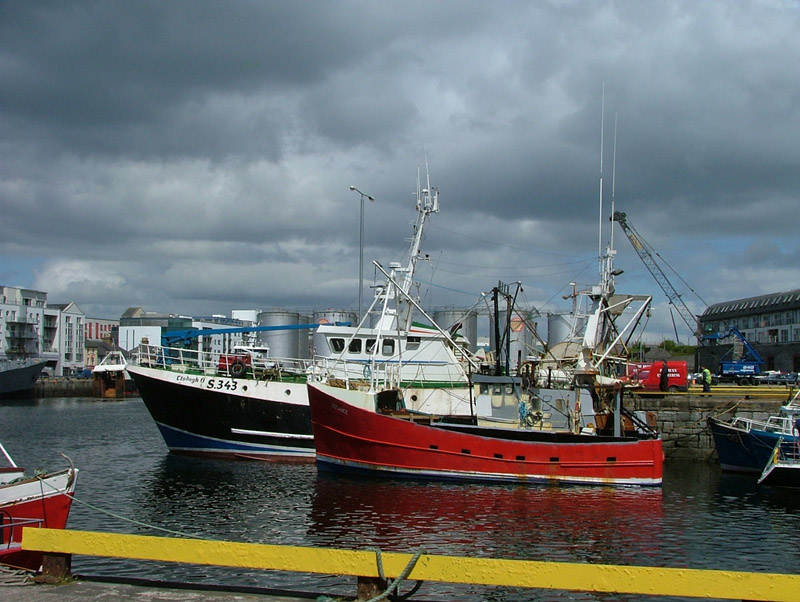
(271, 434)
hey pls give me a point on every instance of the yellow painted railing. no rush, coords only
(693, 583)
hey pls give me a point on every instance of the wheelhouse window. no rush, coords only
(355, 346)
(370, 345)
(337, 345)
(387, 347)
(412, 342)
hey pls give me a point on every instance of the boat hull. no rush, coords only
(227, 417)
(43, 501)
(784, 473)
(351, 437)
(740, 450)
(19, 377)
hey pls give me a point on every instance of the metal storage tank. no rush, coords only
(304, 338)
(445, 318)
(334, 316)
(522, 340)
(558, 327)
(281, 343)
(329, 316)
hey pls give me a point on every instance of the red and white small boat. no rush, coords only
(41, 500)
(353, 432)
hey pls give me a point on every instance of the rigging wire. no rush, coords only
(496, 244)
(653, 251)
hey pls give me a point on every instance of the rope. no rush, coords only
(389, 591)
(119, 516)
(136, 522)
(14, 577)
(401, 577)
(394, 585)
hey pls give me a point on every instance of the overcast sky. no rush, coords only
(196, 157)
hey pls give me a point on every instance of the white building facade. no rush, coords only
(21, 321)
(30, 327)
(773, 318)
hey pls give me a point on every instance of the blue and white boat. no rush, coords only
(748, 445)
(784, 468)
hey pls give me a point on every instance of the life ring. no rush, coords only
(237, 369)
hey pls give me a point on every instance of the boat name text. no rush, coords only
(221, 383)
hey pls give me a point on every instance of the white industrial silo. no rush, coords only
(558, 327)
(336, 316)
(281, 342)
(447, 318)
(304, 338)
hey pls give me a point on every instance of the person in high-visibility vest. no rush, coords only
(706, 380)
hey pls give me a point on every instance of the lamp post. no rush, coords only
(361, 249)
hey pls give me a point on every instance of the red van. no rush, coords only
(649, 375)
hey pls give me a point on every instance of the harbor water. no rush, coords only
(130, 483)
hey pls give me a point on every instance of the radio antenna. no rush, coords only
(600, 227)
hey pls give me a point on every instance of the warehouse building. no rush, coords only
(771, 323)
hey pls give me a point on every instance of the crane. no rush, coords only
(640, 246)
(744, 370)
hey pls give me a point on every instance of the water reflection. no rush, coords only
(504, 521)
(221, 499)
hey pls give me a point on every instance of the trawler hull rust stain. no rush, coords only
(696, 583)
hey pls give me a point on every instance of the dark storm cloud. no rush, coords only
(162, 78)
(197, 156)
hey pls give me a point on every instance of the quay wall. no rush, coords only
(63, 386)
(681, 418)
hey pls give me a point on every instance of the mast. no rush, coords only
(427, 204)
(613, 181)
(600, 228)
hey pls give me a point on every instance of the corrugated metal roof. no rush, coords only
(785, 300)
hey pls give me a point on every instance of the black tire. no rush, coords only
(237, 369)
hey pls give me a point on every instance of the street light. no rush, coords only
(361, 249)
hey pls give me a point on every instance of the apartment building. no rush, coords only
(32, 327)
(22, 321)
